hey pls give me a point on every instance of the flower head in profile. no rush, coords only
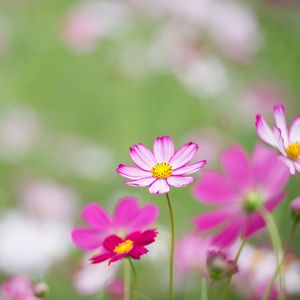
(247, 187)
(128, 217)
(162, 168)
(133, 245)
(286, 141)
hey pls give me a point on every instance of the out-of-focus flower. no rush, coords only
(21, 288)
(287, 142)
(19, 130)
(116, 289)
(133, 246)
(47, 200)
(90, 279)
(248, 186)
(295, 208)
(219, 266)
(162, 168)
(42, 243)
(128, 217)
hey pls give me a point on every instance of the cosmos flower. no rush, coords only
(240, 195)
(287, 142)
(128, 217)
(162, 168)
(133, 245)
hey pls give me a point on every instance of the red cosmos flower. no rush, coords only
(133, 245)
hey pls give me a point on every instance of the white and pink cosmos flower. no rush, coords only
(286, 141)
(162, 168)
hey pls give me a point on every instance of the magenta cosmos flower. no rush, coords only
(127, 217)
(133, 245)
(247, 186)
(163, 167)
(287, 142)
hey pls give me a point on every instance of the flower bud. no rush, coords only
(219, 266)
(295, 209)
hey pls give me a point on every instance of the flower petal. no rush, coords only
(142, 157)
(163, 148)
(290, 164)
(159, 186)
(295, 130)
(235, 162)
(86, 238)
(264, 131)
(117, 257)
(133, 173)
(279, 140)
(125, 211)
(137, 252)
(111, 242)
(272, 203)
(147, 237)
(146, 216)
(141, 182)
(214, 189)
(190, 168)
(96, 216)
(101, 257)
(280, 121)
(183, 155)
(180, 181)
(211, 219)
(255, 222)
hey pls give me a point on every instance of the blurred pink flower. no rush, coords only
(128, 217)
(133, 245)
(287, 142)
(163, 167)
(248, 186)
(295, 208)
(116, 289)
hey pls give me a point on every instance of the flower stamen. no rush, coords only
(124, 247)
(162, 170)
(293, 151)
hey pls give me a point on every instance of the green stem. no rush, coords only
(171, 292)
(277, 248)
(135, 280)
(279, 267)
(127, 280)
(227, 286)
(212, 290)
(203, 288)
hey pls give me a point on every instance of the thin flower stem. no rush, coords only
(135, 280)
(127, 280)
(212, 290)
(227, 286)
(287, 246)
(171, 292)
(277, 248)
(203, 288)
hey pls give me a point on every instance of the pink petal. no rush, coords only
(229, 235)
(254, 223)
(132, 172)
(142, 157)
(147, 215)
(264, 131)
(111, 242)
(280, 121)
(214, 189)
(272, 203)
(179, 181)
(163, 148)
(236, 165)
(159, 186)
(211, 219)
(96, 216)
(100, 258)
(183, 155)
(117, 257)
(290, 164)
(295, 130)
(126, 210)
(279, 140)
(141, 182)
(137, 252)
(86, 239)
(147, 237)
(190, 168)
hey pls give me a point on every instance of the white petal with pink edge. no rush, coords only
(142, 157)
(190, 168)
(290, 164)
(163, 148)
(295, 130)
(183, 155)
(133, 173)
(160, 186)
(279, 140)
(280, 121)
(141, 182)
(179, 181)
(264, 131)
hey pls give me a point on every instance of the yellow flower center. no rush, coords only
(124, 247)
(293, 151)
(162, 170)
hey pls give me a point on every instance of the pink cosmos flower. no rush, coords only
(287, 142)
(133, 245)
(128, 217)
(162, 168)
(247, 186)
